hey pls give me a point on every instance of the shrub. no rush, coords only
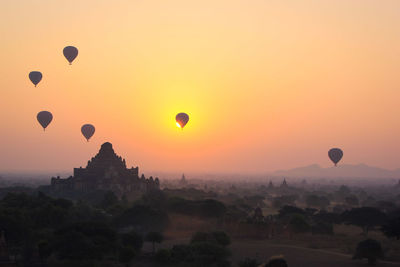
(299, 224)
(218, 237)
(154, 237)
(276, 261)
(369, 249)
(247, 262)
(133, 240)
(126, 255)
(164, 256)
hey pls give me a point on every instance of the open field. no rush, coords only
(296, 256)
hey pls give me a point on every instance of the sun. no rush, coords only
(177, 124)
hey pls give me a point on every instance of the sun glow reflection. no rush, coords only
(177, 124)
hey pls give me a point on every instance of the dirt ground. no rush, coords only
(295, 256)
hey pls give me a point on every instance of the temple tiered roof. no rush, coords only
(106, 158)
(106, 171)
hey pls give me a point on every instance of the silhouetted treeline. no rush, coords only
(46, 231)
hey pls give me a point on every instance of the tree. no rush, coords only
(386, 206)
(208, 208)
(324, 202)
(276, 261)
(132, 239)
(392, 228)
(369, 202)
(126, 255)
(247, 262)
(44, 249)
(109, 199)
(312, 201)
(340, 194)
(222, 238)
(344, 190)
(182, 253)
(155, 199)
(365, 217)
(255, 200)
(154, 237)
(299, 224)
(63, 203)
(14, 225)
(84, 240)
(280, 201)
(369, 249)
(327, 217)
(218, 237)
(201, 237)
(164, 256)
(290, 210)
(74, 246)
(207, 253)
(351, 200)
(212, 208)
(143, 219)
(205, 249)
(317, 201)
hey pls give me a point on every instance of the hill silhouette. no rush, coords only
(344, 170)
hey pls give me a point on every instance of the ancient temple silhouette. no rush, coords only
(183, 182)
(284, 184)
(106, 171)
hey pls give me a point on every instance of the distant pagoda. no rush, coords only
(106, 171)
(284, 184)
(183, 181)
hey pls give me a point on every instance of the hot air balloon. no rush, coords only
(35, 77)
(335, 154)
(87, 131)
(70, 53)
(44, 118)
(181, 119)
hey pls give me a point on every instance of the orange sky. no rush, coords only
(267, 84)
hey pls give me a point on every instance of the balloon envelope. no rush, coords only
(182, 119)
(70, 53)
(44, 118)
(35, 77)
(87, 131)
(335, 154)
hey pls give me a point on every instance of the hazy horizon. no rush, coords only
(312, 171)
(267, 85)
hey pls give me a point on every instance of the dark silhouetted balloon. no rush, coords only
(87, 131)
(70, 53)
(181, 119)
(44, 118)
(35, 77)
(335, 154)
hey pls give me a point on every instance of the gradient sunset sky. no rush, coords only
(267, 84)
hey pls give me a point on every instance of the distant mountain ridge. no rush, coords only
(344, 170)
